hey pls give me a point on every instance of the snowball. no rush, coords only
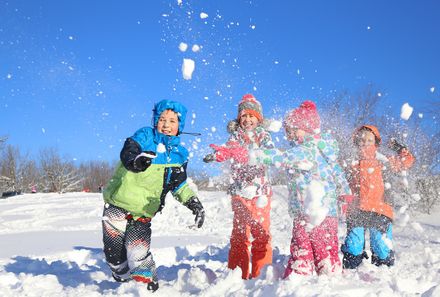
(249, 192)
(203, 15)
(315, 193)
(262, 201)
(406, 111)
(403, 220)
(188, 68)
(417, 227)
(195, 48)
(161, 148)
(9, 76)
(183, 46)
(432, 89)
(416, 197)
(275, 126)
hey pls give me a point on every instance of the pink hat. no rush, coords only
(305, 117)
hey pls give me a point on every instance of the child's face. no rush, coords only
(168, 123)
(248, 122)
(294, 134)
(366, 138)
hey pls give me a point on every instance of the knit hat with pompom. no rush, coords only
(305, 117)
(249, 104)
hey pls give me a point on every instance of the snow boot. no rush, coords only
(119, 279)
(152, 286)
(388, 261)
(351, 261)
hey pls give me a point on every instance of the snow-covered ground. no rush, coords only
(50, 245)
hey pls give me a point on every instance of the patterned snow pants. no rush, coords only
(316, 249)
(127, 245)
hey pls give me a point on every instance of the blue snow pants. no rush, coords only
(380, 228)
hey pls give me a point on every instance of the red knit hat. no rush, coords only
(305, 117)
(249, 104)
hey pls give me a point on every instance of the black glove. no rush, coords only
(396, 146)
(209, 158)
(196, 207)
(143, 160)
(232, 126)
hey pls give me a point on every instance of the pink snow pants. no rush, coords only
(314, 250)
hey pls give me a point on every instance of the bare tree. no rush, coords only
(95, 174)
(345, 112)
(11, 169)
(59, 175)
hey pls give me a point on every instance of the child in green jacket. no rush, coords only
(153, 163)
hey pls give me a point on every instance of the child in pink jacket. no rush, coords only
(315, 180)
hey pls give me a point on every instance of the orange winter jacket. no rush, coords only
(366, 177)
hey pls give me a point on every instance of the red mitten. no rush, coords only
(347, 198)
(240, 154)
(221, 153)
(345, 202)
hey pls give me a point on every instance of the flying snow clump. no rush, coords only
(406, 111)
(275, 126)
(183, 46)
(188, 68)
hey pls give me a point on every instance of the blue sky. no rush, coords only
(82, 76)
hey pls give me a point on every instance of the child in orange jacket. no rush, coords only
(372, 210)
(250, 191)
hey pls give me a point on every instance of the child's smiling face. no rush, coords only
(248, 122)
(366, 138)
(168, 123)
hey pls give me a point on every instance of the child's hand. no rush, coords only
(196, 207)
(395, 145)
(345, 202)
(143, 160)
(209, 158)
(221, 153)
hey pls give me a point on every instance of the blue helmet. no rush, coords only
(172, 105)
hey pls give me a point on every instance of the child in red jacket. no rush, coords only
(372, 209)
(250, 191)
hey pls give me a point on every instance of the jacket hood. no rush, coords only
(172, 105)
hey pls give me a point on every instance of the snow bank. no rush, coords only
(50, 245)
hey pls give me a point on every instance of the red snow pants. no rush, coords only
(315, 249)
(250, 219)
